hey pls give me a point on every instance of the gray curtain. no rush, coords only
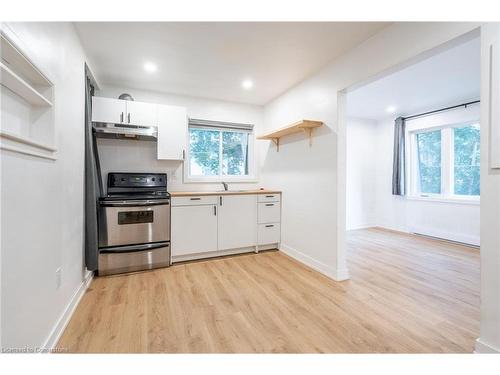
(93, 183)
(398, 162)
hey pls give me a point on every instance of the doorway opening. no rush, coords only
(412, 192)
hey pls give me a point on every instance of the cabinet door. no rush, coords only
(138, 113)
(193, 229)
(237, 221)
(108, 110)
(172, 132)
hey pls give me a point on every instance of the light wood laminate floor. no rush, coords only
(406, 294)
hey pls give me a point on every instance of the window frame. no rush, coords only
(251, 177)
(447, 164)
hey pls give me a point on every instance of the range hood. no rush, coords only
(125, 131)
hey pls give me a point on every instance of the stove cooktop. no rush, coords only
(136, 186)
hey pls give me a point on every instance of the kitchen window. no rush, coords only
(444, 162)
(219, 152)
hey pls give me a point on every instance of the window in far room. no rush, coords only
(219, 152)
(466, 160)
(445, 161)
(429, 161)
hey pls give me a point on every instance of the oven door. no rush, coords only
(113, 260)
(133, 222)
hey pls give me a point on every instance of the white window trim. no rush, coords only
(447, 165)
(250, 178)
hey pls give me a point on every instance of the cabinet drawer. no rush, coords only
(268, 233)
(194, 200)
(269, 212)
(269, 198)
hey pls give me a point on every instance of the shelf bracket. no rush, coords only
(309, 132)
(277, 143)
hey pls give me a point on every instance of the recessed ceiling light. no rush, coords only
(390, 109)
(247, 84)
(150, 67)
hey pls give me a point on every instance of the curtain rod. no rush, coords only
(442, 109)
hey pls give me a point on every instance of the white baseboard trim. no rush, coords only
(65, 317)
(437, 234)
(332, 273)
(342, 274)
(456, 237)
(213, 254)
(392, 227)
(361, 226)
(482, 347)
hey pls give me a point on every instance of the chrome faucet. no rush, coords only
(225, 185)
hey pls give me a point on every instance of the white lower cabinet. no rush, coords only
(193, 229)
(204, 226)
(269, 212)
(236, 223)
(269, 234)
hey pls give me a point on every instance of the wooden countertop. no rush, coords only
(229, 192)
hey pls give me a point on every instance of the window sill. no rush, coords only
(452, 200)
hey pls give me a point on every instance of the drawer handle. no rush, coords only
(270, 204)
(269, 196)
(269, 226)
(195, 199)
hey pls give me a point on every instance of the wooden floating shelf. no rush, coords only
(306, 126)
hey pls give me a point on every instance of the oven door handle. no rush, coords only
(155, 202)
(132, 248)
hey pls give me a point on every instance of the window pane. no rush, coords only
(234, 153)
(429, 161)
(467, 159)
(204, 152)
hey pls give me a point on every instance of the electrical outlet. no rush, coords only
(58, 278)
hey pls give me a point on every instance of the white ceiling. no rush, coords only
(448, 78)
(212, 59)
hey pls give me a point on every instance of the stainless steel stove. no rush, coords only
(134, 223)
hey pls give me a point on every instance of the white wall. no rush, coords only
(313, 179)
(454, 221)
(489, 340)
(42, 200)
(140, 156)
(361, 173)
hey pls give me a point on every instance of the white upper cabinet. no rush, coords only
(139, 113)
(237, 221)
(108, 110)
(172, 132)
(117, 111)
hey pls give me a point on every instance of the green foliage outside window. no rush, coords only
(218, 152)
(204, 152)
(467, 160)
(429, 161)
